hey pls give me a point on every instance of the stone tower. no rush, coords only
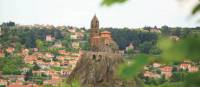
(95, 25)
(94, 32)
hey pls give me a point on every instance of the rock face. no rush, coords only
(97, 69)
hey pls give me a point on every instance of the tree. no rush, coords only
(185, 32)
(130, 51)
(28, 75)
(11, 65)
(177, 32)
(165, 30)
(36, 66)
(146, 47)
(85, 46)
(154, 50)
(10, 68)
(18, 46)
(147, 28)
(57, 34)
(39, 44)
(30, 40)
(67, 42)
(9, 24)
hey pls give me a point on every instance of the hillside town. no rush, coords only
(51, 60)
(46, 67)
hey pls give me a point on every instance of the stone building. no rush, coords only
(97, 67)
(100, 41)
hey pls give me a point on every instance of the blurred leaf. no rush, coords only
(111, 2)
(196, 9)
(186, 48)
(75, 84)
(134, 67)
(169, 50)
(192, 80)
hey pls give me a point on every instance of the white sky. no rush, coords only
(134, 13)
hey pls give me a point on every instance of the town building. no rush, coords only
(130, 46)
(2, 53)
(10, 50)
(49, 38)
(156, 65)
(3, 82)
(155, 30)
(193, 69)
(166, 71)
(75, 45)
(185, 66)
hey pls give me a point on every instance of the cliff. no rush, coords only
(97, 69)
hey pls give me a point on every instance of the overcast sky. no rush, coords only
(134, 13)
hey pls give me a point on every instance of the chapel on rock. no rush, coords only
(100, 41)
(97, 66)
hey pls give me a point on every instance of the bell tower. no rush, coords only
(94, 31)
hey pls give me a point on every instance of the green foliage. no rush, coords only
(38, 79)
(67, 42)
(10, 69)
(11, 65)
(85, 45)
(165, 30)
(123, 37)
(179, 84)
(146, 47)
(30, 40)
(65, 84)
(172, 51)
(111, 2)
(75, 84)
(169, 51)
(130, 70)
(25, 35)
(196, 9)
(36, 66)
(39, 44)
(178, 76)
(9, 24)
(178, 50)
(53, 50)
(28, 75)
(154, 81)
(155, 50)
(56, 68)
(192, 80)
(130, 51)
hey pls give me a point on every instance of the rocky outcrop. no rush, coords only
(97, 69)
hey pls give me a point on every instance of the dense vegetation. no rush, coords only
(145, 41)
(25, 36)
(11, 65)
